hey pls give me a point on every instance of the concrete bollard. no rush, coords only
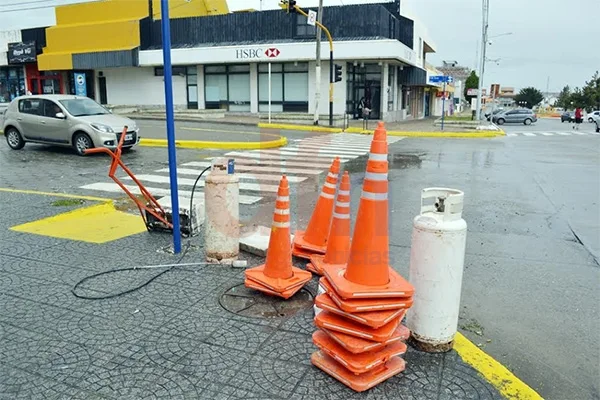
(222, 215)
(436, 268)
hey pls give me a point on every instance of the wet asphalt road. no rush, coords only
(533, 208)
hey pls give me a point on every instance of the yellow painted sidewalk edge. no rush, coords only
(293, 127)
(438, 134)
(197, 144)
(496, 374)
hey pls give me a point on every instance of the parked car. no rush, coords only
(65, 120)
(489, 116)
(521, 116)
(593, 116)
(567, 116)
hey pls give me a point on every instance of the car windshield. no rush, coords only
(83, 107)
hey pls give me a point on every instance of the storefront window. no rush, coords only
(12, 83)
(289, 87)
(227, 87)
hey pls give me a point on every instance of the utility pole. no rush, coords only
(484, 40)
(318, 69)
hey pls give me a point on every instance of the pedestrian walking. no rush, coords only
(578, 117)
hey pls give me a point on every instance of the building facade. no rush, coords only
(228, 61)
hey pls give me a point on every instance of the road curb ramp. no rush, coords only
(314, 239)
(365, 349)
(338, 242)
(277, 276)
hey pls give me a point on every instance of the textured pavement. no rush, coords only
(171, 339)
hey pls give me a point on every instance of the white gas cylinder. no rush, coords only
(222, 215)
(437, 259)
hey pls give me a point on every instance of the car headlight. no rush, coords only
(102, 128)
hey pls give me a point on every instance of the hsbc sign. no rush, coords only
(244, 54)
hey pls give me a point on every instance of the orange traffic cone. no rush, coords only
(360, 337)
(368, 273)
(277, 276)
(314, 239)
(338, 243)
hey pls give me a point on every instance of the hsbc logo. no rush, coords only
(272, 52)
(244, 54)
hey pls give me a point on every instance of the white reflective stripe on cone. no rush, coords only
(282, 212)
(376, 176)
(329, 185)
(281, 224)
(341, 216)
(342, 204)
(378, 157)
(332, 175)
(327, 195)
(344, 192)
(374, 196)
(283, 198)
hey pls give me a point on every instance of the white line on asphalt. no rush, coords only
(579, 133)
(240, 158)
(284, 158)
(252, 168)
(330, 149)
(508, 134)
(528, 134)
(563, 133)
(252, 187)
(306, 154)
(158, 192)
(252, 177)
(546, 133)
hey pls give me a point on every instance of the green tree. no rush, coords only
(529, 97)
(578, 99)
(564, 98)
(472, 82)
(591, 93)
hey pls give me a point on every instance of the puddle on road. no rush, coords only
(404, 161)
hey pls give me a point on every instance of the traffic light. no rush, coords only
(338, 73)
(291, 6)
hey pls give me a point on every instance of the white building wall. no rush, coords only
(7, 37)
(339, 90)
(139, 86)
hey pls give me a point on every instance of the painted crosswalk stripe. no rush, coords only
(337, 149)
(579, 133)
(563, 133)
(251, 177)
(342, 143)
(112, 187)
(305, 154)
(240, 158)
(546, 133)
(528, 134)
(313, 152)
(262, 156)
(253, 168)
(508, 134)
(251, 187)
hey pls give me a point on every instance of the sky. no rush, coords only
(550, 39)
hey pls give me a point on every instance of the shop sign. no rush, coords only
(80, 87)
(20, 53)
(244, 54)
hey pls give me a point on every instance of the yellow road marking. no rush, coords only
(496, 374)
(63, 195)
(95, 224)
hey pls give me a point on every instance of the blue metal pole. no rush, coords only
(166, 45)
(443, 103)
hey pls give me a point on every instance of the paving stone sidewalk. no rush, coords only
(172, 339)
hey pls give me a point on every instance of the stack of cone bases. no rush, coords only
(277, 276)
(360, 336)
(314, 239)
(338, 243)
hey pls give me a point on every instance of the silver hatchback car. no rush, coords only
(519, 116)
(64, 120)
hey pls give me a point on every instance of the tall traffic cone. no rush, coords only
(277, 276)
(360, 335)
(314, 239)
(338, 243)
(368, 273)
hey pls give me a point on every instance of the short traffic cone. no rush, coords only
(338, 243)
(277, 276)
(314, 239)
(360, 333)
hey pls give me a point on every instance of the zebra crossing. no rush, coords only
(259, 171)
(553, 133)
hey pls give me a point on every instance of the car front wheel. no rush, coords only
(14, 139)
(500, 121)
(527, 121)
(590, 120)
(82, 142)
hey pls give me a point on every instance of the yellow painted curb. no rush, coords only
(197, 144)
(496, 374)
(292, 127)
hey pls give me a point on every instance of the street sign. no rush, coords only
(440, 79)
(80, 86)
(472, 92)
(312, 17)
